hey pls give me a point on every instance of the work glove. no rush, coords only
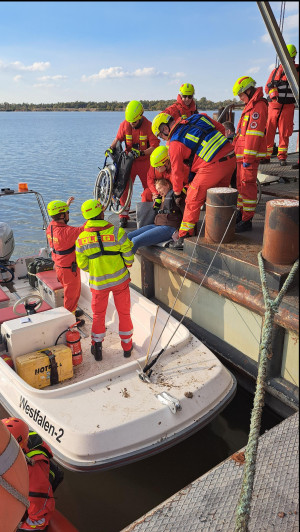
(157, 203)
(109, 151)
(246, 165)
(177, 199)
(135, 153)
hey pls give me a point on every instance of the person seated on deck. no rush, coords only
(160, 167)
(105, 252)
(167, 220)
(44, 475)
(185, 105)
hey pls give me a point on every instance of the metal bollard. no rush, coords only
(281, 231)
(220, 205)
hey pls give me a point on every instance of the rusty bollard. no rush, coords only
(220, 205)
(281, 231)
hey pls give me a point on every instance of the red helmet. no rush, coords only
(18, 429)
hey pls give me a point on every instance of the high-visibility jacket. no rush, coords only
(250, 141)
(194, 142)
(105, 252)
(42, 502)
(278, 86)
(180, 110)
(62, 240)
(140, 139)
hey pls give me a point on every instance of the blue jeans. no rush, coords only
(150, 235)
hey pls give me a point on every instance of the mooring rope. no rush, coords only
(243, 508)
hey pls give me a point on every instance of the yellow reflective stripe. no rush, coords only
(216, 145)
(282, 149)
(143, 137)
(261, 154)
(208, 144)
(249, 209)
(192, 137)
(250, 201)
(250, 152)
(185, 226)
(239, 155)
(207, 121)
(257, 133)
(129, 137)
(246, 117)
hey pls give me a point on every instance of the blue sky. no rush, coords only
(97, 51)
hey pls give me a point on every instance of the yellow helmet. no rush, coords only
(162, 118)
(134, 111)
(242, 84)
(159, 156)
(187, 89)
(292, 50)
(56, 207)
(91, 208)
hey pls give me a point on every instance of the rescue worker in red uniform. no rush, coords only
(62, 240)
(105, 252)
(281, 110)
(160, 168)
(136, 132)
(250, 147)
(185, 105)
(199, 143)
(44, 476)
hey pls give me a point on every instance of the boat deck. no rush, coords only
(209, 503)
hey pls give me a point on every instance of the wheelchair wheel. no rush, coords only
(103, 187)
(116, 207)
(258, 191)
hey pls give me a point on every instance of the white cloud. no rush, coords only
(17, 65)
(44, 85)
(119, 72)
(17, 78)
(291, 22)
(57, 77)
(266, 38)
(253, 70)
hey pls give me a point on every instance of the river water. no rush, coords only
(59, 155)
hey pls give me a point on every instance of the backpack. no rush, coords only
(39, 264)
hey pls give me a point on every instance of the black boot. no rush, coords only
(78, 313)
(264, 161)
(239, 216)
(96, 350)
(283, 162)
(241, 227)
(123, 222)
(127, 354)
(178, 244)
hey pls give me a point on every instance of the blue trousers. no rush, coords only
(150, 235)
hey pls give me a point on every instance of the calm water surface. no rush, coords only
(59, 155)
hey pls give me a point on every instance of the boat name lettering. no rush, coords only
(37, 416)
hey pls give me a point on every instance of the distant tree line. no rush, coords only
(149, 105)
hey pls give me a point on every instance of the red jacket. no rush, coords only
(64, 238)
(279, 89)
(178, 152)
(180, 110)
(141, 138)
(250, 142)
(153, 174)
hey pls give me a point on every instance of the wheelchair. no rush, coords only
(112, 180)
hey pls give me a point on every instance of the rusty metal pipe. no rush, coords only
(281, 231)
(220, 205)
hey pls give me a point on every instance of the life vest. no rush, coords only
(168, 206)
(113, 254)
(281, 86)
(143, 141)
(200, 135)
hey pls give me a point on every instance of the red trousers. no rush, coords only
(247, 189)
(121, 296)
(212, 174)
(139, 168)
(72, 286)
(285, 122)
(146, 195)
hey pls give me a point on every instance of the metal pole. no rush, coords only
(280, 47)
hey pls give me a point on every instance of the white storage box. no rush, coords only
(36, 331)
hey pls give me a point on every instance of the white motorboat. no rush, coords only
(111, 412)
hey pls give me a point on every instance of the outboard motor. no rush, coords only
(7, 242)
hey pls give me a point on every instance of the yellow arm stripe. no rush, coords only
(255, 133)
